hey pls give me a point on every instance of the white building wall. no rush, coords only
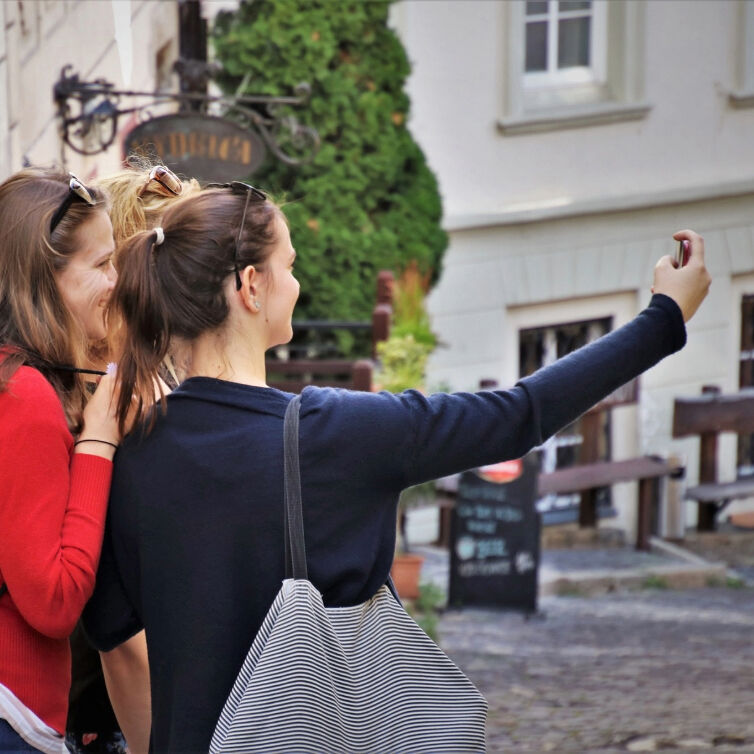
(560, 224)
(691, 137)
(5, 160)
(40, 37)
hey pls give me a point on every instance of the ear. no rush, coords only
(250, 282)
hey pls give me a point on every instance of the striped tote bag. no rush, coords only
(362, 679)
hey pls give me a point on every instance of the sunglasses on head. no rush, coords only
(163, 181)
(76, 190)
(239, 187)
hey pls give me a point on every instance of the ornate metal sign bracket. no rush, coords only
(88, 114)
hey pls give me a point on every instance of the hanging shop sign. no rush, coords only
(199, 146)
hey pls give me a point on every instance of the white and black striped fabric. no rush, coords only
(352, 679)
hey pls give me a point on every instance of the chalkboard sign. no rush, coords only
(494, 537)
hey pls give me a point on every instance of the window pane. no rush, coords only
(536, 6)
(573, 42)
(565, 5)
(537, 349)
(746, 379)
(536, 46)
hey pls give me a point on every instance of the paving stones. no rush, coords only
(652, 670)
(636, 669)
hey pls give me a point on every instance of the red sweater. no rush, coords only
(52, 515)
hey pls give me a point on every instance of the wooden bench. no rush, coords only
(300, 367)
(590, 475)
(706, 417)
(293, 376)
(645, 470)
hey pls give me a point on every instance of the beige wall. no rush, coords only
(41, 36)
(691, 137)
(554, 223)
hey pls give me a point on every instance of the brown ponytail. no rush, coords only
(146, 335)
(176, 290)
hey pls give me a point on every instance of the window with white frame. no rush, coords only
(538, 347)
(572, 63)
(745, 464)
(742, 94)
(564, 42)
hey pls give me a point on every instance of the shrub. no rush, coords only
(403, 356)
(409, 313)
(368, 201)
(403, 363)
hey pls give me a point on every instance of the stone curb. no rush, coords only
(594, 583)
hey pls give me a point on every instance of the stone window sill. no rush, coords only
(741, 99)
(555, 119)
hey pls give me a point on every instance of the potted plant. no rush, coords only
(407, 565)
(403, 361)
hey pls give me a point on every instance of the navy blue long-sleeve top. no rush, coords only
(193, 548)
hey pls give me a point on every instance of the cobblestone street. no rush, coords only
(635, 671)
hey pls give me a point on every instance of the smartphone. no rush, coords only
(683, 254)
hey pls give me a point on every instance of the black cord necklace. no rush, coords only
(35, 358)
(67, 368)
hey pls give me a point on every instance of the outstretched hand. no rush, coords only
(688, 285)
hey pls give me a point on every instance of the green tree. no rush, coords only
(368, 201)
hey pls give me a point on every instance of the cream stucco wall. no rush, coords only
(690, 137)
(40, 37)
(555, 224)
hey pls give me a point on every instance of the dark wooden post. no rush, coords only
(362, 375)
(192, 51)
(590, 432)
(647, 489)
(382, 314)
(707, 469)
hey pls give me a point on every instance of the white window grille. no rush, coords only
(570, 63)
(539, 347)
(745, 464)
(564, 42)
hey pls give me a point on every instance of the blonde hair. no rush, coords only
(131, 213)
(36, 327)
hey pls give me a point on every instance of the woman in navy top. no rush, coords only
(193, 550)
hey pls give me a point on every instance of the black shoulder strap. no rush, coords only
(295, 550)
(393, 590)
(3, 589)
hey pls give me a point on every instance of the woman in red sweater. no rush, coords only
(56, 277)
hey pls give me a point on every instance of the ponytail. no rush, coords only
(172, 285)
(140, 303)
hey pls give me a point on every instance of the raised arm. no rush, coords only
(460, 431)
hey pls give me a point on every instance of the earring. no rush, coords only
(257, 305)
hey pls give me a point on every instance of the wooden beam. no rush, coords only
(362, 375)
(591, 425)
(644, 514)
(330, 367)
(714, 413)
(722, 491)
(602, 474)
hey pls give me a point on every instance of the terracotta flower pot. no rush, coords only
(405, 573)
